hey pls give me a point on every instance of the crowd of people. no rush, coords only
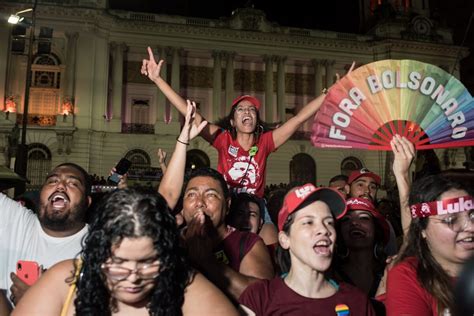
(209, 243)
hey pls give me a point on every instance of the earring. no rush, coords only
(343, 255)
(378, 251)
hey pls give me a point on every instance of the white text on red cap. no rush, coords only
(302, 192)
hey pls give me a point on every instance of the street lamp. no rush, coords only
(16, 18)
(21, 161)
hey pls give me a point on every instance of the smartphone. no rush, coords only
(28, 271)
(120, 169)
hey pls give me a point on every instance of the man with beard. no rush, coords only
(51, 236)
(363, 183)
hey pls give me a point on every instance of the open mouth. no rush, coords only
(466, 243)
(59, 200)
(322, 247)
(466, 240)
(247, 120)
(357, 233)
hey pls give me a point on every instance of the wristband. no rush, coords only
(179, 141)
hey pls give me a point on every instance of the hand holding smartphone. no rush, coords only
(28, 271)
(120, 169)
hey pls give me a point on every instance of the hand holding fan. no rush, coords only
(420, 101)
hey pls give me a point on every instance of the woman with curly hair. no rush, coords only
(440, 240)
(131, 264)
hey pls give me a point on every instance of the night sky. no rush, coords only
(297, 13)
(335, 15)
(332, 15)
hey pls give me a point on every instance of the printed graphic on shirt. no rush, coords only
(221, 257)
(233, 151)
(244, 172)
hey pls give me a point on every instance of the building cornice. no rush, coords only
(249, 38)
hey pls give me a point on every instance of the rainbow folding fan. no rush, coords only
(413, 99)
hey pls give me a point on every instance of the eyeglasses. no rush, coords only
(119, 273)
(457, 223)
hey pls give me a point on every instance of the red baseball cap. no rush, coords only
(361, 204)
(252, 100)
(364, 172)
(304, 195)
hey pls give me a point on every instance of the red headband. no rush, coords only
(446, 206)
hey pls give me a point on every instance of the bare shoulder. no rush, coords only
(257, 262)
(269, 234)
(55, 282)
(61, 272)
(203, 298)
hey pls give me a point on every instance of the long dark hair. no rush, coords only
(432, 277)
(241, 201)
(131, 214)
(282, 255)
(225, 124)
(379, 257)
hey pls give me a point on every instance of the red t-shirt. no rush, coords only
(234, 247)
(405, 295)
(274, 297)
(242, 172)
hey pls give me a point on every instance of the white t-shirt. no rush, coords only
(23, 238)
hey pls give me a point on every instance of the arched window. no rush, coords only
(45, 89)
(302, 169)
(140, 161)
(427, 162)
(196, 159)
(350, 164)
(39, 163)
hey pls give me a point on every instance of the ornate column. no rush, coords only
(217, 85)
(281, 100)
(330, 72)
(117, 80)
(175, 82)
(70, 79)
(318, 77)
(161, 99)
(229, 81)
(4, 61)
(65, 116)
(269, 106)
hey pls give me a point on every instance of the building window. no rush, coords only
(140, 118)
(302, 169)
(39, 164)
(45, 89)
(140, 161)
(196, 159)
(140, 111)
(350, 164)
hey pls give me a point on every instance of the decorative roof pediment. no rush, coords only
(418, 28)
(249, 19)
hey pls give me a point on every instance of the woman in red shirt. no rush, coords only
(307, 239)
(242, 141)
(440, 240)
